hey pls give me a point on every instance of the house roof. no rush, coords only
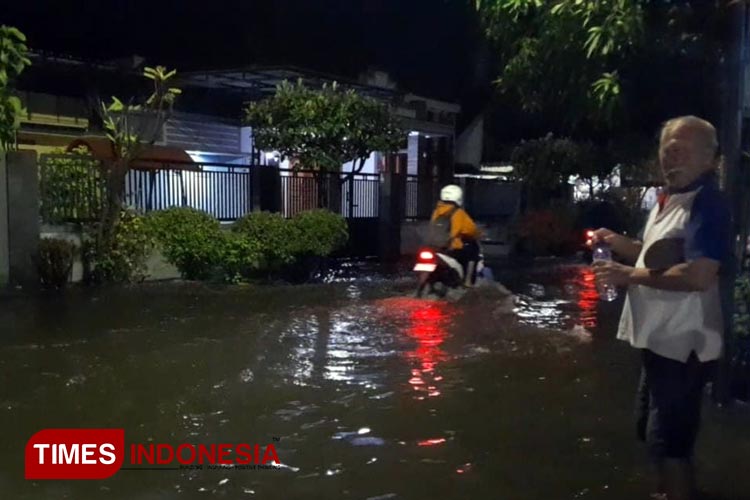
(151, 158)
(260, 81)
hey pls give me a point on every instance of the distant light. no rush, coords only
(497, 169)
(413, 133)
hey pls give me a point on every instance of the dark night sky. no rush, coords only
(428, 46)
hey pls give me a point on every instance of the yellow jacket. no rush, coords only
(462, 226)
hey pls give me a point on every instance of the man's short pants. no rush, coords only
(669, 402)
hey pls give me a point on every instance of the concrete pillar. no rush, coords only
(392, 211)
(4, 238)
(23, 217)
(427, 181)
(445, 160)
(412, 154)
(265, 189)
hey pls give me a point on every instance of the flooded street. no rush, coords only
(372, 394)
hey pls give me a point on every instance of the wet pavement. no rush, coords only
(371, 394)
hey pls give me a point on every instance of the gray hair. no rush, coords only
(704, 127)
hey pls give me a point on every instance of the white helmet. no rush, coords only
(452, 193)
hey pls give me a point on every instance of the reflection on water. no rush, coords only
(363, 386)
(425, 323)
(427, 328)
(570, 304)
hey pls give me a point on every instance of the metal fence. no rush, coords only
(412, 190)
(73, 189)
(224, 191)
(306, 190)
(421, 196)
(300, 191)
(365, 190)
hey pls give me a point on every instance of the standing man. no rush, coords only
(673, 311)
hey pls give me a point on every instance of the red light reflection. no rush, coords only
(588, 297)
(431, 442)
(426, 324)
(427, 327)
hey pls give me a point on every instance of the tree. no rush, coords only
(130, 128)
(562, 57)
(545, 165)
(13, 60)
(323, 129)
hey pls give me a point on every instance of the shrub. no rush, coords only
(239, 257)
(71, 187)
(126, 260)
(319, 233)
(55, 261)
(275, 237)
(260, 245)
(190, 240)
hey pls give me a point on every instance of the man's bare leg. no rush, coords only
(470, 273)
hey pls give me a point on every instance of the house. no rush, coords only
(61, 95)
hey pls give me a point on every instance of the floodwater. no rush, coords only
(364, 392)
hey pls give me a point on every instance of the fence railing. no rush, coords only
(421, 196)
(307, 190)
(224, 191)
(365, 190)
(73, 189)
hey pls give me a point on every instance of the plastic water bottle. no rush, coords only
(602, 252)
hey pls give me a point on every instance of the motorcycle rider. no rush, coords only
(453, 230)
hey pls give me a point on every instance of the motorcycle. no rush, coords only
(438, 272)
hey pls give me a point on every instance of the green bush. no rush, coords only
(239, 257)
(71, 187)
(286, 246)
(275, 237)
(319, 233)
(260, 245)
(190, 240)
(55, 261)
(126, 262)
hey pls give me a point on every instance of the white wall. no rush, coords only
(371, 165)
(246, 139)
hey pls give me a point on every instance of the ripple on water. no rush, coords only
(367, 441)
(75, 380)
(247, 375)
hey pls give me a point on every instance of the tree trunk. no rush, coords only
(109, 218)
